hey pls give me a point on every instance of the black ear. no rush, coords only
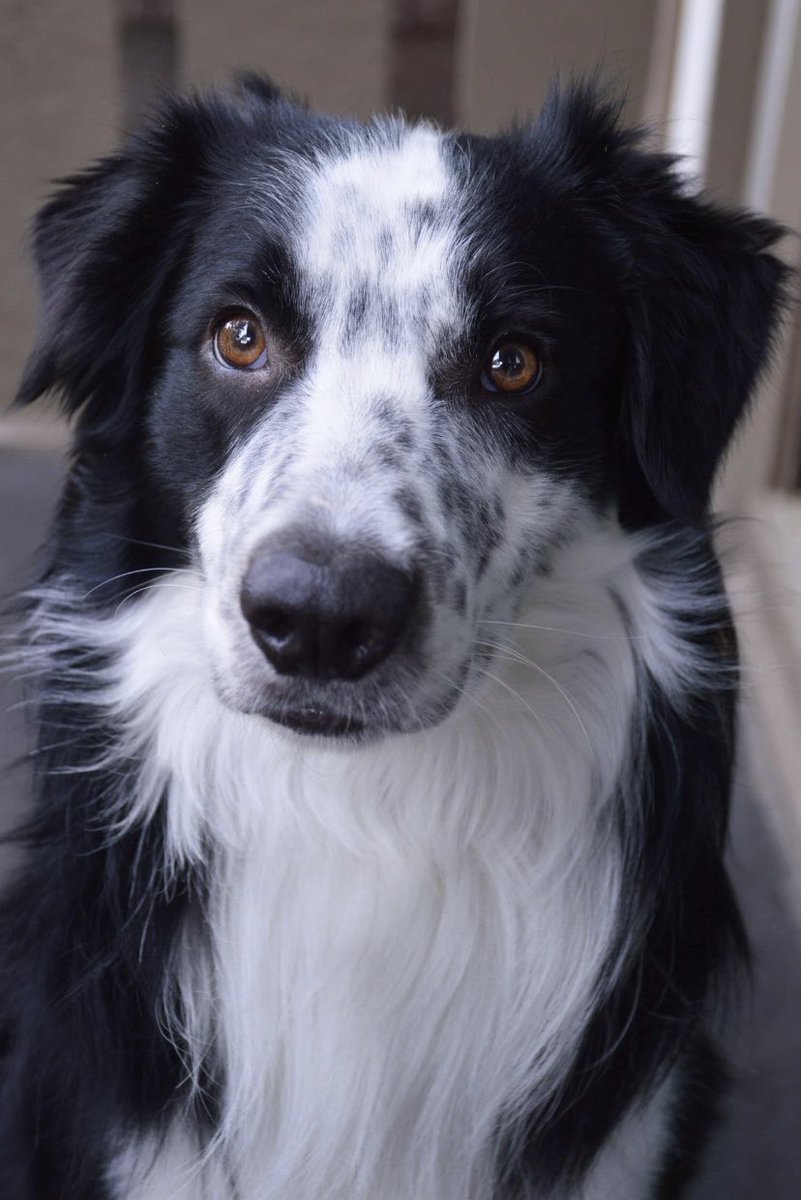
(101, 257)
(702, 296)
(108, 243)
(702, 315)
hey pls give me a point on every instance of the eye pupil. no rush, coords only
(509, 360)
(239, 341)
(513, 367)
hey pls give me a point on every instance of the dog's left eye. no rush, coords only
(512, 367)
(240, 342)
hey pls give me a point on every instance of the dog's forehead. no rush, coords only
(381, 220)
(390, 186)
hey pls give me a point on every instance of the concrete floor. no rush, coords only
(757, 1153)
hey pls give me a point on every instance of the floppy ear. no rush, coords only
(702, 297)
(702, 315)
(100, 252)
(107, 244)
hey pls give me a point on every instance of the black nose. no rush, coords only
(325, 616)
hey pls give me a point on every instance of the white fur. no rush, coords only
(406, 937)
(625, 1169)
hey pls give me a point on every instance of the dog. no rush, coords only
(385, 676)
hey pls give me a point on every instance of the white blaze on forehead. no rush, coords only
(383, 214)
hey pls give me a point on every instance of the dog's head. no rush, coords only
(369, 377)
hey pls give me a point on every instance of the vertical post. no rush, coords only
(693, 91)
(147, 55)
(422, 58)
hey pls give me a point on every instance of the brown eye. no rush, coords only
(239, 342)
(512, 367)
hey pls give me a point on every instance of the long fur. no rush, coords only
(467, 945)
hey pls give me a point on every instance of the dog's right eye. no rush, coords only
(240, 342)
(513, 367)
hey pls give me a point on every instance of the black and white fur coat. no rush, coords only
(385, 677)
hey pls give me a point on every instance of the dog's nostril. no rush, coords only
(274, 624)
(365, 640)
(332, 619)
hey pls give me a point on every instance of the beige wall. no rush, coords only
(58, 110)
(510, 51)
(333, 52)
(737, 81)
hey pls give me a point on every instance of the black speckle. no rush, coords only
(400, 428)
(421, 215)
(531, 560)
(543, 564)
(442, 454)
(460, 596)
(385, 245)
(519, 571)
(461, 674)
(355, 315)
(488, 528)
(388, 455)
(388, 315)
(410, 505)
(404, 438)
(383, 410)
(483, 655)
(455, 498)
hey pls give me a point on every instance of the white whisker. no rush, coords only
(516, 656)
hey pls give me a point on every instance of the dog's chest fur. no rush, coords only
(404, 944)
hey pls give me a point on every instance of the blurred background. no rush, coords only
(719, 82)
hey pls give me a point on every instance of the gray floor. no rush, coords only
(757, 1154)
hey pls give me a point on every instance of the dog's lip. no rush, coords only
(316, 720)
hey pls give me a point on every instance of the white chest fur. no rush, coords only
(406, 938)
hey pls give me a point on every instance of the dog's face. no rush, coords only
(410, 414)
(370, 377)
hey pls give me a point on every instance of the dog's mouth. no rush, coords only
(315, 720)
(346, 712)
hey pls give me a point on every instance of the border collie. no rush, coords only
(385, 678)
